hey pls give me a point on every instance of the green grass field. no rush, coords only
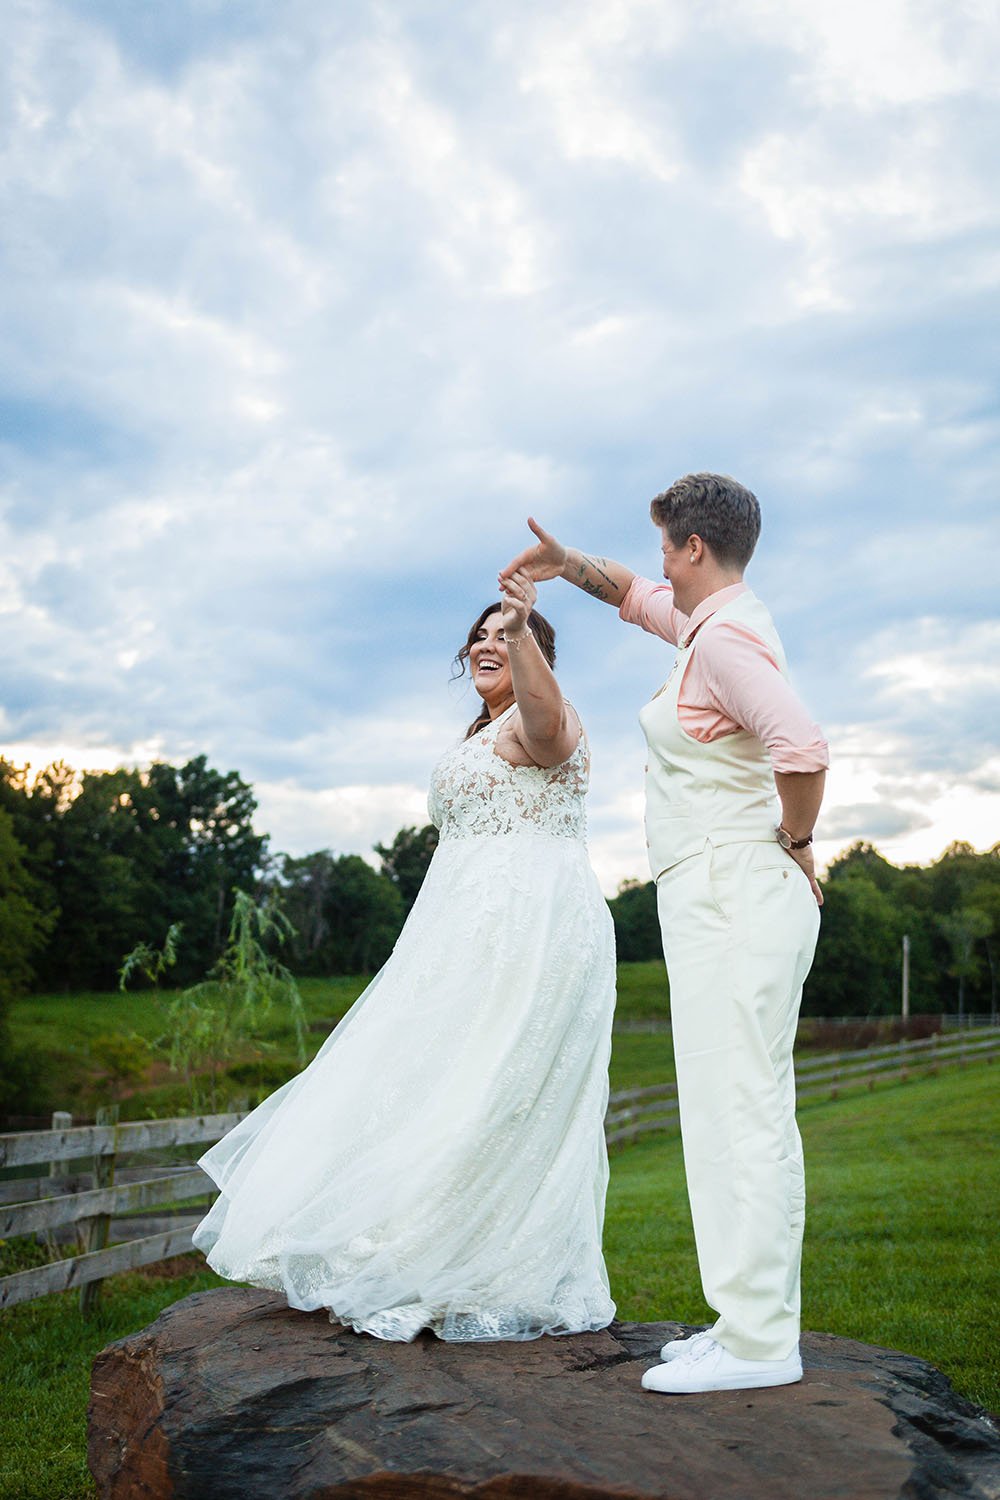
(897, 1248)
(900, 1251)
(901, 1243)
(63, 1028)
(70, 1021)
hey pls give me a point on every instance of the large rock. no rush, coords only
(232, 1395)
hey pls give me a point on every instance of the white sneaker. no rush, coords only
(677, 1347)
(709, 1367)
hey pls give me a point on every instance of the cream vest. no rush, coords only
(696, 793)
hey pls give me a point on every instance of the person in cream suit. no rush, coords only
(734, 782)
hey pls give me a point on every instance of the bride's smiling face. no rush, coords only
(490, 667)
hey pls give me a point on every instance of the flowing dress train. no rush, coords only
(441, 1161)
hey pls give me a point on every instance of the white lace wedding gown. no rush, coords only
(441, 1162)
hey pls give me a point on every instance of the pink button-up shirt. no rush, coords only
(732, 681)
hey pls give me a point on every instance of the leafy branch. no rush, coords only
(209, 1023)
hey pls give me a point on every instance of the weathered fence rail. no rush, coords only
(111, 1197)
(941, 1021)
(96, 1206)
(637, 1111)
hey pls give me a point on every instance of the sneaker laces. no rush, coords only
(701, 1345)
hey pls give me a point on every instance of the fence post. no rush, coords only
(61, 1120)
(97, 1239)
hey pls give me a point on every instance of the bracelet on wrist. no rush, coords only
(515, 640)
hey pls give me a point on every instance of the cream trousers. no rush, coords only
(739, 926)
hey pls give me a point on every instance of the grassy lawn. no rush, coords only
(638, 1059)
(46, 1352)
(899, 1251)
(642, 991)
(900, 1245)
(72, 1020)
(64, 1028)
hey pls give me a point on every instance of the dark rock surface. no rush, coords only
(232, 1395)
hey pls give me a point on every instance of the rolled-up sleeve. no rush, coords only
(651, 606)
(745, 680)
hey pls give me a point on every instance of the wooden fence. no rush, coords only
(111, 1197)
(635, 1111)
(93, 1203)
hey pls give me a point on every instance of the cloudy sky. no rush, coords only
(306, 306)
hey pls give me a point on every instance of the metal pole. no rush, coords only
(906, 977)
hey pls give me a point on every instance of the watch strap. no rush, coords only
(787, 842)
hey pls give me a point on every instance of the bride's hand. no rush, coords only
(519, 595)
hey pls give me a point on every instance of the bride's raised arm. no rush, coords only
(549, 729)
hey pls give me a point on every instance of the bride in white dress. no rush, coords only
(441, 1163)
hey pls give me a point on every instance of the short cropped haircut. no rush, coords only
(723, 513)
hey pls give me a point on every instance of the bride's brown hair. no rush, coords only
(544, 634)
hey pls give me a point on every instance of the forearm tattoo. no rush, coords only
(607, 589)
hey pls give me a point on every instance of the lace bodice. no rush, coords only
(474, 792)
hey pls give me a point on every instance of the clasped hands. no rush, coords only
(519, 595)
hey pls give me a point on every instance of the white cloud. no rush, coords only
(81, 756)
(301, 320)
(578, 64)
(872, 53)
(346, 819)
(944, 664)
(882, 153)
(876, 791)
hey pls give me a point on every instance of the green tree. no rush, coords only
(25, 924)
(864, 859)
(856, 970)
(406, 859)
(211, 1023)
(965, 912)
(91, 871)
(365, 914)
(985, 899)
(347, 916)
(964, 929)
(124, 853)
(192, 844)
(637, 926)
(304, 884)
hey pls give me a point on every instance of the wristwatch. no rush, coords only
(787, 842)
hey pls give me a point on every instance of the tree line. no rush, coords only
(949, 910)
(92, 865)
